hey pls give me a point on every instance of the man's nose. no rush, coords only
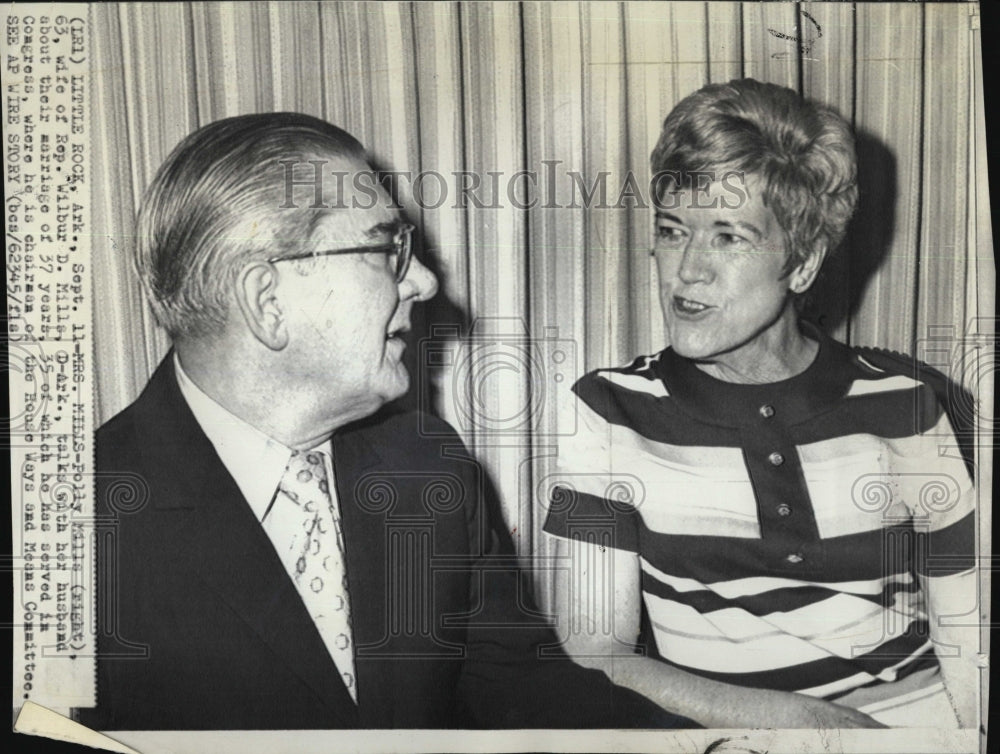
(696, 264)
(419, 284)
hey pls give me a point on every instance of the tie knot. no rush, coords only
(305, 477)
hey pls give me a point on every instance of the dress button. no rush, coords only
(767, 411)
(794, 558)
(776, 459)
(784, 510)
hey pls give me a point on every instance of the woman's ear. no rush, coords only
(256, 295)
(804, 275)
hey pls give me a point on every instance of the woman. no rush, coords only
(746, 501)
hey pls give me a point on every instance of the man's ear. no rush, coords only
(804, 275)
(256, 294)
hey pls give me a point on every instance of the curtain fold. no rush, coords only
(572, 95)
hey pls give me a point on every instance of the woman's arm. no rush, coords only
(934, 482)
(600, 606)
(953, 612)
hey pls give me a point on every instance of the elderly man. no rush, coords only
(274, 553)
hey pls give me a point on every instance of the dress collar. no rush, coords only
(732, 404)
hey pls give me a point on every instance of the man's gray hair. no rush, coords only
(216, 204)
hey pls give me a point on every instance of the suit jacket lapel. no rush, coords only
(219, 539)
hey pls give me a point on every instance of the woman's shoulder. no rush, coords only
(936, 393)
(884, 364)
(884, 360)
(637, 374)
(640, 378)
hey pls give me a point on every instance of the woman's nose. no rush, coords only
(696, 264)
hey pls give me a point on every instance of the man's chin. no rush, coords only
(398, 386)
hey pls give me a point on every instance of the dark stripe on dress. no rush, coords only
(784, 600)
(580, 515)
(854, 557)
(893, 414)
(829, 669)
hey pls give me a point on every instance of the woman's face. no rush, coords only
(721, 258)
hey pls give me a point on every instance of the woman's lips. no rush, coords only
(690, 308)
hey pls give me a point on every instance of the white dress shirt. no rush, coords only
(255, 461)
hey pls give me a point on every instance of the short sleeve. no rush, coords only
(932, 480)
(587, 498)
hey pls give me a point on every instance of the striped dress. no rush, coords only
(779, 527)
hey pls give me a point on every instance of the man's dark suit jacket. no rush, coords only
(200, 627)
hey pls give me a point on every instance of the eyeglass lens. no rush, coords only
(403, 252)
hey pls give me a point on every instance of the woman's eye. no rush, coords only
(730, 240)
(669, 234)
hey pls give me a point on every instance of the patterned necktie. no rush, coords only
(315, 556)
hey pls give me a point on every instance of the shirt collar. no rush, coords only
(254, 460)
(731, 404)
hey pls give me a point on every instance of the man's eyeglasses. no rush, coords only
(401, 251)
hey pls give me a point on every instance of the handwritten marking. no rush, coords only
(804, 43)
